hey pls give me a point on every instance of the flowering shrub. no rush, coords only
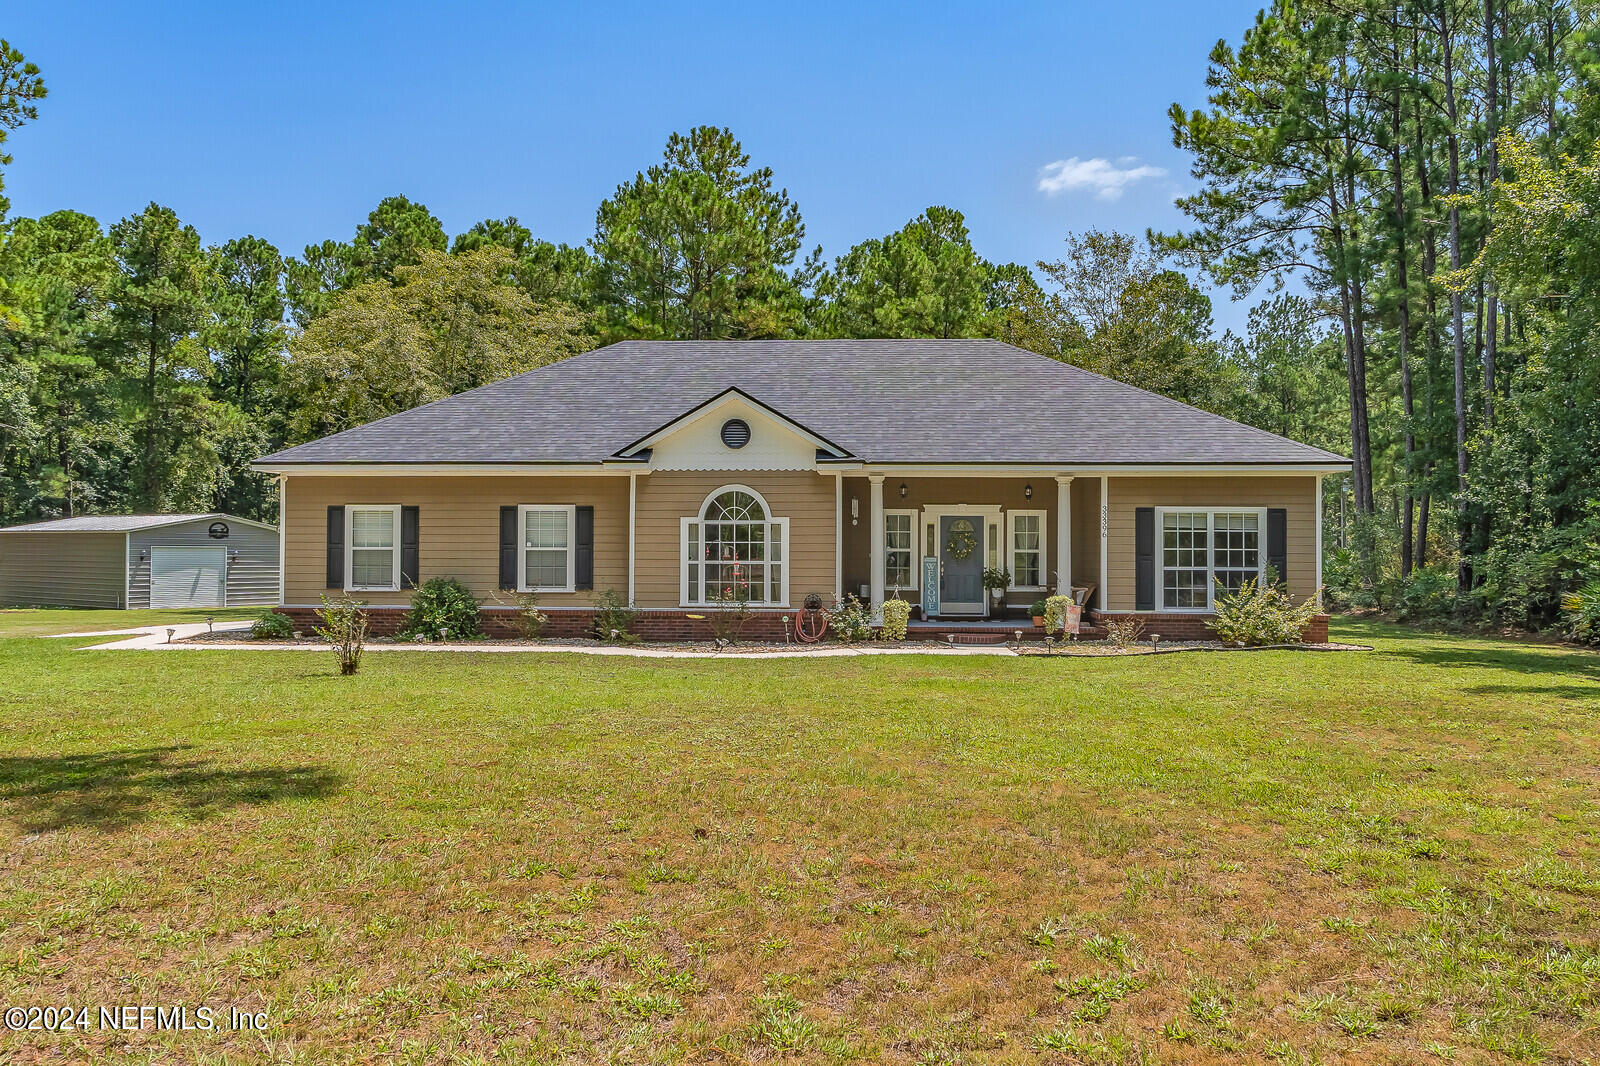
(730, 609)
(850, 620)
(1261, 614)
(896, 617)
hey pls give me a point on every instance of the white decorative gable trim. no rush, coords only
(733, 431)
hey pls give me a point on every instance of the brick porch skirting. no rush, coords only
(1198, 626)
(650, 624)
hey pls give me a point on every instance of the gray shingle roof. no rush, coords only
(109, 523)
(914, 401)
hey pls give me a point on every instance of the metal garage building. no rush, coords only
(166, 560)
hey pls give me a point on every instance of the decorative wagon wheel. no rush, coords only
(962, 543)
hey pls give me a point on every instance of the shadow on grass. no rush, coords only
(117, 789)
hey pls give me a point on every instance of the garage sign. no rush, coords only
(218, 531)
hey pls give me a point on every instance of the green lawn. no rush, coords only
(1390, 856)
(42, 621)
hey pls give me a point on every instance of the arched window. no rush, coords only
(734, 550)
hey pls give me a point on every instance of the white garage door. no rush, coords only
(188, 577)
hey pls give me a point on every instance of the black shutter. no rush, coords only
(1144, 559)
(508, 547)
(1278, 543)
(584, 564)
(408, 547)
(336, 546)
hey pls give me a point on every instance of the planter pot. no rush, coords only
(1038, 620)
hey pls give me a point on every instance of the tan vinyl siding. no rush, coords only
(1296, 495)
(667, 497)
(458, 529)
(252, 572)
(62, 569)
(1086, 534)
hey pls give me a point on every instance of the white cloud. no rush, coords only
(1107, 179)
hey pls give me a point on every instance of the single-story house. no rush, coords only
(667, 470)
(146, 560)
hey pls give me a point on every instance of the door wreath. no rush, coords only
(962, 543)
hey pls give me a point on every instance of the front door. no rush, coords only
(961, 556)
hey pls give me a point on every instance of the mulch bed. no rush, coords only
(1069, 650)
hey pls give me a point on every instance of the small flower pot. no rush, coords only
(1038, 621)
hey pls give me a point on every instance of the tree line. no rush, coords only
(1424, 165)
(1423, 170)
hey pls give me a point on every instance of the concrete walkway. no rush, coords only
(155, 638)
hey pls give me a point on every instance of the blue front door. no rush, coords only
(961, 553)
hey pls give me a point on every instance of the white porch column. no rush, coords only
(877, 544)
(1316, 580)
(633, 509)
(1105, 535)
(1064, 535)
(838, 536)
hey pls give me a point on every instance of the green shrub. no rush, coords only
(850, 620)
(443, 608)
(612, 616)
(896, 617)
(1038, 608)
(344, 627)
(272, 626)
(1581, 613)
(1261, 614)
(1428, 593)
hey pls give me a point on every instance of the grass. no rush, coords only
(43, 621)
(1390, 856)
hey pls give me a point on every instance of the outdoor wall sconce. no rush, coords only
(143, 555)
(903, 490)
(1027, 491)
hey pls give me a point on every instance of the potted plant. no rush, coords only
(1037, 610)
(997, 580)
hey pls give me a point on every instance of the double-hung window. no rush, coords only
(546, 562)
(372, 548)
(1027, 550)
(735, 550)
(1204, 549)
(899, 538)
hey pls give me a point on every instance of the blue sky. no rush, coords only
(290, 121)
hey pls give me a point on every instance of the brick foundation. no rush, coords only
(1198, 626)
(501, 622)
(676, 625)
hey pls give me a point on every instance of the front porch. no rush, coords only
(928, 540)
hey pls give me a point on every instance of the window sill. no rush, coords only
(544, 588)
(372, 588)
(719, 607)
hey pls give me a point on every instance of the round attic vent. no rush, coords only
(736, 433)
